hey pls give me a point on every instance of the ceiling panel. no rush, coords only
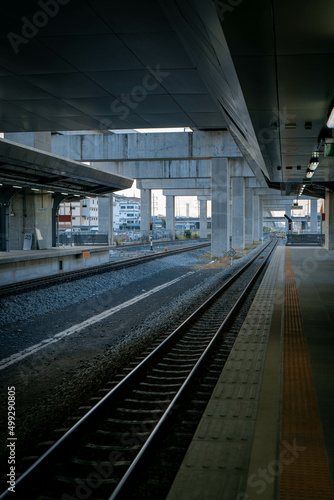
(183, 80)
(132, 16)
(31, 58)
(72, 18)
(93, 53)
(196, 103)
(127, 82)
(162, 50)
(14, 87)
(66, 85)
(151, 104)
(50, 107)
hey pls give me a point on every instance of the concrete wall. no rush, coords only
(32, 214)
(35, 266)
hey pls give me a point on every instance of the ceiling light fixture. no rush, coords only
(309, 173)
(34, 189)
(330, 121)
(314, 161)
(17, 187)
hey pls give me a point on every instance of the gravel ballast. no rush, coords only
(53, 383)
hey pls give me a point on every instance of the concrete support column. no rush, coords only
(106, 216)
(260, 218)
(249, 216)
(203, 218)
(145, 211)
(329, 221)
(288, 213)
(256, 217)
(220, 179)
(170, 215)
(238, 213)
(314, 217)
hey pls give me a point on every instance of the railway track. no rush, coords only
(46, 281)
(105, 453)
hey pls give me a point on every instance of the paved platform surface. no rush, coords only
(267, 432)
(21, 255)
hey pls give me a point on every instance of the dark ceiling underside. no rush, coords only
(263, 69)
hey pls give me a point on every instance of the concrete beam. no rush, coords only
(174, 184)
(164, 146)
(187, 192)
(162, 169)
(175, 169)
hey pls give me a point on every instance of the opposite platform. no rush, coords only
(21, 265)
(248, 444)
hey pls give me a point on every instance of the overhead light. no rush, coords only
(314, 161)
(77, 195)
(309, 173)
(17, 187)
(34, 189)
(330, 121)
(66, 194)
(50, 191)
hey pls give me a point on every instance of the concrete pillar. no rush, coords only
(256, 217)
(249, 216)
(287, 212)
(238, 213)
(106, 216)
(170, 215)
(314, 217)
(329, 221)
(145, 211)
(220, 178)
(203, 218)
(260, 218)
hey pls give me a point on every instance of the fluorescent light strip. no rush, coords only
(330, 122)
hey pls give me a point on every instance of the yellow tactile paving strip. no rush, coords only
(304, 474)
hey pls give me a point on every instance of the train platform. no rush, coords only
(21, 265)
(267, 432)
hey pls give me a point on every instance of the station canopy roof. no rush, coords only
(32, 168)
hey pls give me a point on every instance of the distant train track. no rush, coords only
(46, 281)
(106, 451)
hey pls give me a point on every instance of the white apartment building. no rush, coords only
(126, 213)
(84, 213)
